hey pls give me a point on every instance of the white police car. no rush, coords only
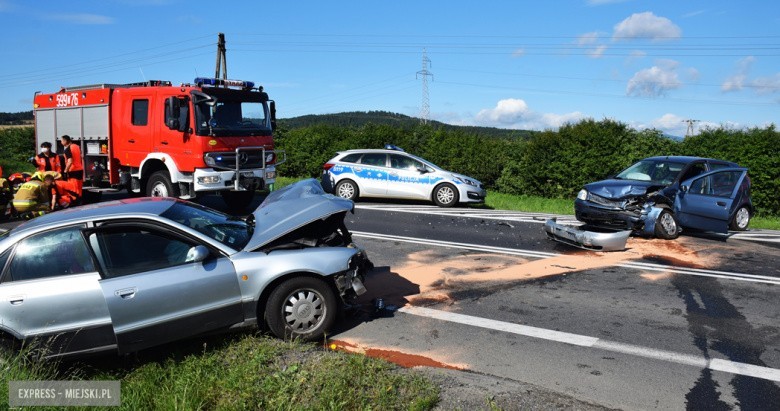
(392, 173)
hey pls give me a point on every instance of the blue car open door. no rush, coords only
(708, 201)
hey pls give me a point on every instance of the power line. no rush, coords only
(425, 108)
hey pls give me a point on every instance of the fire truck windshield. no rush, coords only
(232, 118)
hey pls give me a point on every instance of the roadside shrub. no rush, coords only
(17, 144)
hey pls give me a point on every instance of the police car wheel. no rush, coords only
(445, 195)
(347, 189)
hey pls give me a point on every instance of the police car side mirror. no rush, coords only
(422, 170)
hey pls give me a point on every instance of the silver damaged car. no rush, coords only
(130, 274)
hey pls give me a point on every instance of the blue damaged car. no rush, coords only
(658, 196)
(393, 173)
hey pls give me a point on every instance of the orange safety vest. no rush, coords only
(46, 163)
(75, 155)
(66, 192)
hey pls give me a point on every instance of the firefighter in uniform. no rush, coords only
(47, 160)
(33, 197)
(74, 165)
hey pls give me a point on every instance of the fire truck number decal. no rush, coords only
(65, 100)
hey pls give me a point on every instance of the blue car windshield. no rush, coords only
(662, 172)
(228, 230)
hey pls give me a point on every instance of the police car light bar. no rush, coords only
(206, 81)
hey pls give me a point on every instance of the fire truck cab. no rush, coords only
(157, 139)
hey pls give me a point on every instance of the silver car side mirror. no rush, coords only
(197, 253)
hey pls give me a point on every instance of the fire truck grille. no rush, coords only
(248, 159)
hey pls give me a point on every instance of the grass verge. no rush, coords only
(244, 372)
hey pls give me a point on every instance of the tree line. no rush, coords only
(551, 164)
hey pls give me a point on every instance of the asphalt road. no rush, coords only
(691, 323)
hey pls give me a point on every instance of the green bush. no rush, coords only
(757, 149)
(17, 145)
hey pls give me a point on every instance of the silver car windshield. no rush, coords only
(228, 230)
(662, 172)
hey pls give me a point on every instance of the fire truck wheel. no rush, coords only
(238, 200)
(160, 185)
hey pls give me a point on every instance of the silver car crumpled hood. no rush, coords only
(292, 207)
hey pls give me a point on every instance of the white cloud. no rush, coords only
(654, 81)
(588, 38)
(694, 13)
(515, 114)
(647, 26)
(598, 52)
(507, 111)
(734, 83)
(737, 81)
(767, 85)
(603, 2)
(81, 18)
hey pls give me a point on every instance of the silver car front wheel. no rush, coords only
(301, 307)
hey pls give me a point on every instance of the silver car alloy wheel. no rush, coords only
(304, 310)
(346, 190)
(742, 218)
(668, 223)
(445, 195)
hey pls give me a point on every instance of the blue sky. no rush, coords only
(510, 64)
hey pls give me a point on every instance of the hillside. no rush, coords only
(356, 119)
(16, 119)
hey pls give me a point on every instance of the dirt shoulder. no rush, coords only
(471, 391)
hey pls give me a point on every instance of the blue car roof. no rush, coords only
(690, 159)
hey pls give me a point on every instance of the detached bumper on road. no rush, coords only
(588, 240)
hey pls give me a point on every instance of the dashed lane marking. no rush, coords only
(767, 236)
(714, 364)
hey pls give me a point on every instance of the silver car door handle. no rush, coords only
(126, 293)
(16, 300)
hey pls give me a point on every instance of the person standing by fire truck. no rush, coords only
(47, 160)
(74, 165)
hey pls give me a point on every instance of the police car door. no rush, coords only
(372, 173)
(407, 178)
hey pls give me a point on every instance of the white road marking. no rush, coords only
(768, 236)
(539, 254)
(732, 367)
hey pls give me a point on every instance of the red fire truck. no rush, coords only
(157, 139)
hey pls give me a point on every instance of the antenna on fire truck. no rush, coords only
(221, 58)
